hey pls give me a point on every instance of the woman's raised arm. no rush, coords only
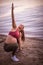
(13, 19)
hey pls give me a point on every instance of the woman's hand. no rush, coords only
(12, 6)
(20, 49)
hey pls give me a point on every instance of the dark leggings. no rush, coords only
(11, 47)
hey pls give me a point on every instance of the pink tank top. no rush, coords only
(15, 34)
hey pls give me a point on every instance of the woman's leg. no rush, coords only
(11, 48)
(14, 49)
(14, 58)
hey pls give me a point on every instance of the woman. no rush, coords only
(12, 41)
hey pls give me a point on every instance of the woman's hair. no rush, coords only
(23, 35)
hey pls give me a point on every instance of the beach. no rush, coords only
(31, 54)
(30, 14)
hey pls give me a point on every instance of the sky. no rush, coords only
(20, 5)
(28, 3)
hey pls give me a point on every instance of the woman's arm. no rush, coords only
(13, 20)
(19, 43)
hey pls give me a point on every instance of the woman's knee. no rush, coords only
(16, 45)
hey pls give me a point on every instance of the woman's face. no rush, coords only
(21, 27)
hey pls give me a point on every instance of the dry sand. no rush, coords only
(31, 54)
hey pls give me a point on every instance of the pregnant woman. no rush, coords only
(12, 42)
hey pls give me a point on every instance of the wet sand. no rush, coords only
(31, 54)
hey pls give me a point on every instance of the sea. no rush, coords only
(31, 18)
